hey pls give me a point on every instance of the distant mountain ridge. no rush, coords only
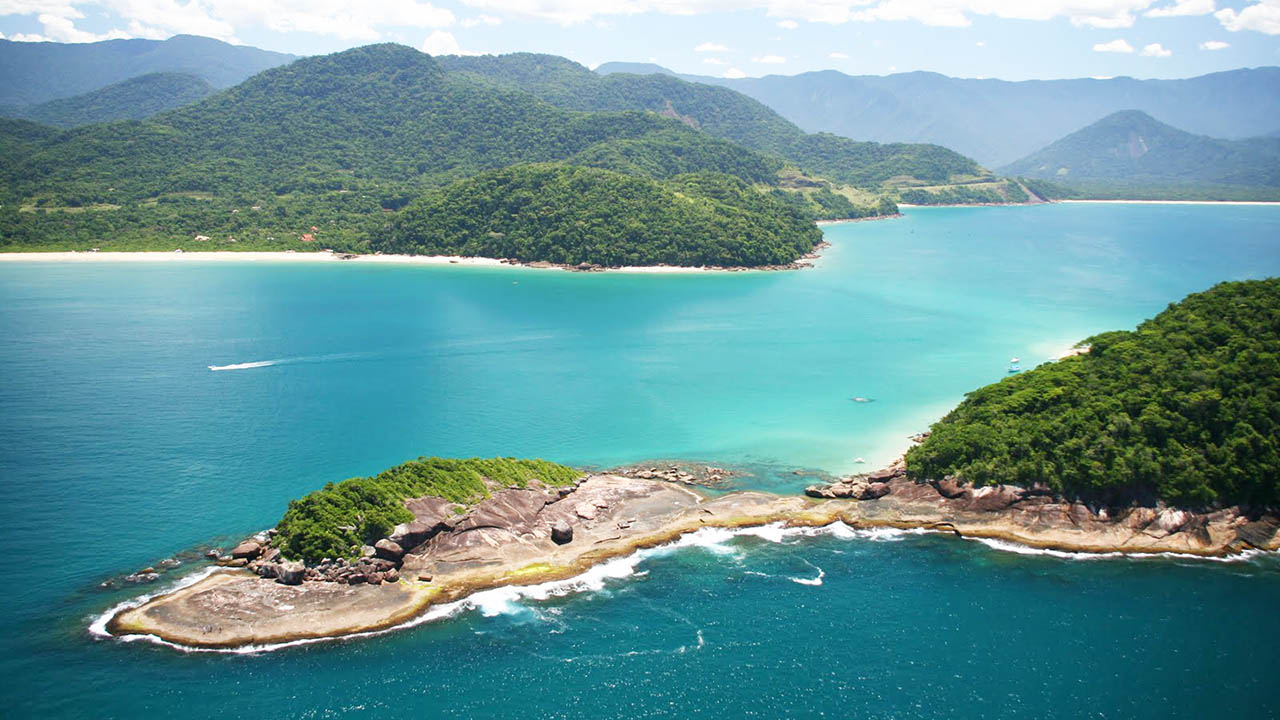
(1133, 148)
(721, 112)
(998, 121)
(39, 72)
(132, 99)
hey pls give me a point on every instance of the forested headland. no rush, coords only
(1185, 409)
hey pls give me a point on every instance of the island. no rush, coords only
(1156, 440)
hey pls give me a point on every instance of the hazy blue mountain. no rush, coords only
(132, 99)
(1133, 148)
(35, 73)
(997, 121)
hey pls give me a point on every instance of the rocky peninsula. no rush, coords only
(524, 536)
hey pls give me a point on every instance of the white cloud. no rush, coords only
(29, 37)
(442, 42)
(347, 19)
(734, 74)
(1262, 16)
(710, 47)
(980, 44)
(788, 24)
(1115, 46)
(1214, 45)
(714, 61)
(480, 20)
(1183, 7)
(1156, 50)
(955, 13)
(769, 59)
(838, 56)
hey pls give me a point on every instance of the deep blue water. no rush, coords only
(120, 447)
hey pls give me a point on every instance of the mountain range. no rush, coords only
(1132, 148)
(997, 121)
(328, 149)
(36, 73)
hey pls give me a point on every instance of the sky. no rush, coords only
(1008, 39)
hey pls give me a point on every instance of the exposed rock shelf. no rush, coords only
(526, 536)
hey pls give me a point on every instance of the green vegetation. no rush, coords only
(323, 152)
(573, 215)
(1185, 408)
(993, 193)
(722, 113)
(337, 519)
(1132, 155)
(132, 99)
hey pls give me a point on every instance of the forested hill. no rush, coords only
(132, 99)
(1185, 408)
(318, 151)
(381, 118)
(1133, 148)
(573, 215)
(724, 113)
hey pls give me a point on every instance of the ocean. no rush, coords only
(122, 447)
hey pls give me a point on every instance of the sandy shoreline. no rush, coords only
(326, 257)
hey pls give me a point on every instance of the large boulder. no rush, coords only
(561, 532)
(248, 550)
(871, 491)
(388, 550)
(995, 497)
(950, 489)
(431, 515)
(291, 572)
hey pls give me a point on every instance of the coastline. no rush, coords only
(616, 517)
(1173, 202)
(319, 256)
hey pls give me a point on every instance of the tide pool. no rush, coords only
(123, 447)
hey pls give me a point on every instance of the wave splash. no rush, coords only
(508, 601)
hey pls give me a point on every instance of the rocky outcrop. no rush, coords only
(700, 475)
(388, 550)
(247, 550)
(430, 515)
(561, 532)
(524, 536)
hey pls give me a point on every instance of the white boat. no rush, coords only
(1014, 360)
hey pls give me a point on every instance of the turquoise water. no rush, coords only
(121, 448)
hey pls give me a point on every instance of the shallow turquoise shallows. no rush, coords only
(120, 447)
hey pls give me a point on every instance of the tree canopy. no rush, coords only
(1186, 408)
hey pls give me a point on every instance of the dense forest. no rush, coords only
(723, 113)
(320, 153)
(1186, 408)
(571, 215)
(132, 99)
(337, 519)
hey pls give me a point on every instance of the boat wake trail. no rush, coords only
(243, 366)
(333, 357)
